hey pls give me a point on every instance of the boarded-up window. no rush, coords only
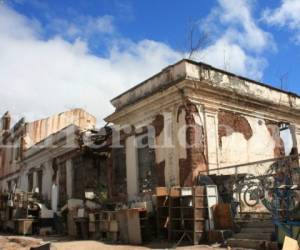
(119, 171)
(30, 182)
(62, 184)
(88, 174)
(78, 177)
(146, 165)
(40, 181)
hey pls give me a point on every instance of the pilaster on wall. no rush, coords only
(211, 127)
(131, 168)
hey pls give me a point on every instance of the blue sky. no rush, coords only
(56, 55)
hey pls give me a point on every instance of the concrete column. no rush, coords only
(69, 169)
(131, 168)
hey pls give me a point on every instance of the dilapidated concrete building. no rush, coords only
(204, 119)
(188, 128)
(39, 153)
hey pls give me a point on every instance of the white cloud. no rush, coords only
(41, 77)
(287, 14)
(230, 56)
(238, 14)
(240, 42)
(83, 26)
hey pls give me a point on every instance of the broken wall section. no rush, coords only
(244, 138)
(195, 159)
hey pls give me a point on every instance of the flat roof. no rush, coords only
(207, 66)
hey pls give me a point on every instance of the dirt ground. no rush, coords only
(18, 242)
(94, 245)
(59, 243)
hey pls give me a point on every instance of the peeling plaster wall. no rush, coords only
(239, 85)
(239, 147)
(40, 129)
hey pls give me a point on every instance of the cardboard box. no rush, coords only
(200, 191)
(161, 191)
(175, 192)
(186, 191)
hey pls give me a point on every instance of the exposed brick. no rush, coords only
(185, 173)
(230, 122)
(274, 130)
(158, 124)
(196, 147)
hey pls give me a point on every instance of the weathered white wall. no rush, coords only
(238, 150)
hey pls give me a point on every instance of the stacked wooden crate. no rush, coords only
(186, 214)
(145, 226)
(162, 205)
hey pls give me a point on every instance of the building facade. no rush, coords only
(202, 120)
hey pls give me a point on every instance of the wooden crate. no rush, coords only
(24, 226)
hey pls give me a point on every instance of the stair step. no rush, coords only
(255, 215)
(254, 236)
(256, 230)
(252, 244)
(256, 224)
